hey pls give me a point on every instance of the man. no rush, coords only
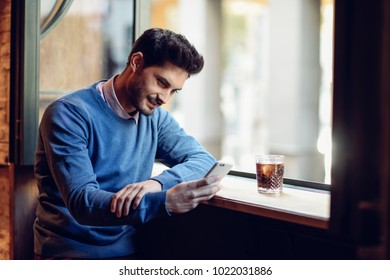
(96, 150)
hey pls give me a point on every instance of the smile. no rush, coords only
(153, 101)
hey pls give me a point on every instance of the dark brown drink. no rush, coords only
(269, 177)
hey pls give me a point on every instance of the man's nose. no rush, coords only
(164, 97)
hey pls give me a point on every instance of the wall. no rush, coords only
(5, 54)
(360, 190)
(5, 170)
(210, 232)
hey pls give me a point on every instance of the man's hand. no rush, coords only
(131, 195)
(187, 195)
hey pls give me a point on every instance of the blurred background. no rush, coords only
(266, 85)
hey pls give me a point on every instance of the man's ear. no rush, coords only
(136, 61)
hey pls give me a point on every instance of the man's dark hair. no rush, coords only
(160, 45)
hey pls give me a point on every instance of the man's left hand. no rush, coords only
(131, 195)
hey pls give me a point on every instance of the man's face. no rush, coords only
(153, 86)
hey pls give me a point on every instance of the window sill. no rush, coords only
(296, 205)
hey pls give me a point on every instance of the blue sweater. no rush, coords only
(85, 154)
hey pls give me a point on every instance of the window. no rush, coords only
(91, 42)
(266, 85)
(265, 88)
(63, 41)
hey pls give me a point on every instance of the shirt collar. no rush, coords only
(107, 91)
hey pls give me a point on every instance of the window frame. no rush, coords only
(25, 83)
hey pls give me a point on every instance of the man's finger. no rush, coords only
(115, 198)
(203, 182)
(124, 202)
(208, 192)
(138, 198)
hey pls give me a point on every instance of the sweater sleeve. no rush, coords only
(65, 172)
(187, 159)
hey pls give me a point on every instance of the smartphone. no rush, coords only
(219, 168)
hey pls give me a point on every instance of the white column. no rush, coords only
(200, 22)
(295, 84)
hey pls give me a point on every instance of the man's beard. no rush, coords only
(136, 93)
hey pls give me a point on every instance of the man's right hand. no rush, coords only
(187, 195)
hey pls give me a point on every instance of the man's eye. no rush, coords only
(162, 83)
